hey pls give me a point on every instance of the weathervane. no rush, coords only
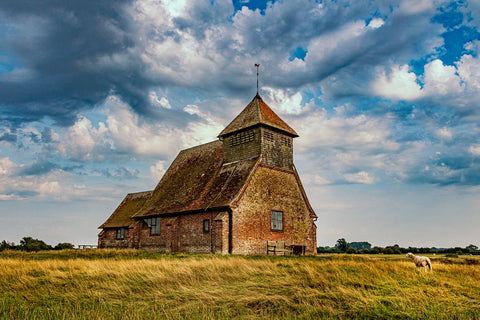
(256, 66)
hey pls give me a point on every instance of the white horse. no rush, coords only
(420, 261)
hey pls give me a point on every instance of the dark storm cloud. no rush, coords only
(8, 137)
(72, 55)
(65, 52)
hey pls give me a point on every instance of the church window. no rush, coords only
(121, 233)
(277, 220)
(206, 226)
(153, 224)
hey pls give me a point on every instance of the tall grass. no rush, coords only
(112, 284)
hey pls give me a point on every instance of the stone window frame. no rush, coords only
(154, 224)
(120, 233)
(206, 226)
(276, 220)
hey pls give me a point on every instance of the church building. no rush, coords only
(240, 194)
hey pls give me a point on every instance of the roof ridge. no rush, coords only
(257, 112)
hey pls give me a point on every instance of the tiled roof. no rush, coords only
(197, 180)
(255, 113)
(122, 216)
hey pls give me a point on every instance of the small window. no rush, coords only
(268, 136)
(242, 137)
(206, 225)
(121, 233)
(277, 221)
(287, 142)
(153, 224)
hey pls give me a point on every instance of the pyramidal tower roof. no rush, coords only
(257, 112)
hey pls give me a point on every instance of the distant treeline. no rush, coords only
(342, 246)
(30, 244)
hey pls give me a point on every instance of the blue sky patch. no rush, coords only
(299, 53)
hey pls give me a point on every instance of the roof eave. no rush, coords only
(173, 213)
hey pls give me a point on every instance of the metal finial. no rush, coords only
(256, 66)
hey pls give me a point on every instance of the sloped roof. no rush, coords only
(255, 113)
(197, 180)
(122, 216)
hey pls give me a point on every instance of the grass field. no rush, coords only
(110, 284)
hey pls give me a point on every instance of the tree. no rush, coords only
(64, 245)
(30, 244)
(341, 245)
(7, 246)
(360, 245)
(472, 247)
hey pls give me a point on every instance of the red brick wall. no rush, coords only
(184, 233)
(271, 189)
(108, 239)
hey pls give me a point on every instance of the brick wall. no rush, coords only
(271, 189)
(184, 233)
(108, 239)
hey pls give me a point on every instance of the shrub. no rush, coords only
(64, 245)
(351, 250)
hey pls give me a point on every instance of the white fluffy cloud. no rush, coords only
(441, 80)
(124, 132)
(459, 84)
(469, 68)
(78, 143)
(157, 170)
(320, 129)
(399, 84)
(284, 101)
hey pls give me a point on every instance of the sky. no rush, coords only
(98, 97)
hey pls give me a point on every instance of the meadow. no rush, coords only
(129, 284)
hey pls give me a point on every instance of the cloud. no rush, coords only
(70, 35)
(30, 184)
(284, 101)
(124, 133)
(40, 182)
(441, 80)
(400, 84)
(120, 173)
(137, 51)
(157, 170)
(40, 167)
(360, 177)
(8, 137)
(444, 133)
(163, 102)
(474, 149)
(320, 129)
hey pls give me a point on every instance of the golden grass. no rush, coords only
(134, 285)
